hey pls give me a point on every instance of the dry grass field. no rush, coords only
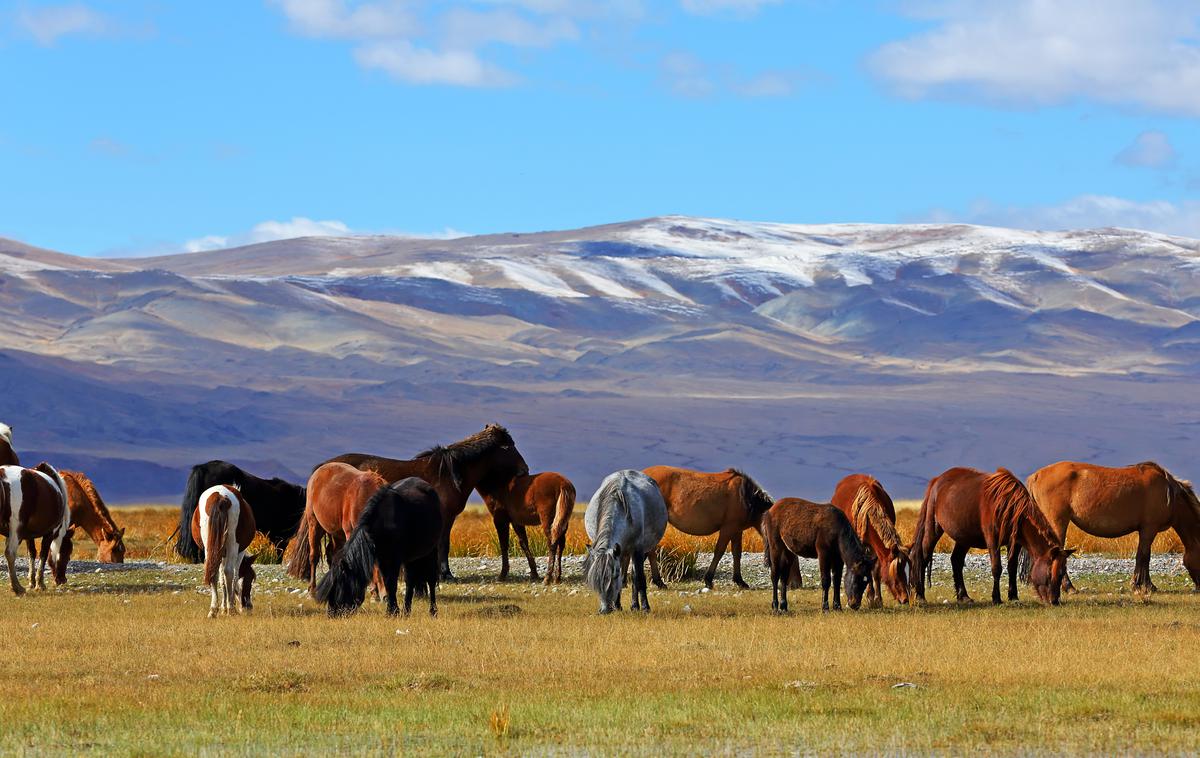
(124, 661)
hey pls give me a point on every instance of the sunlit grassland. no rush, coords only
(125, 662)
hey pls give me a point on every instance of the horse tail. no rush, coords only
(185, 546)
(344, 586)
(562, 513)
(218, 531)
(917, 552)
(300, 560)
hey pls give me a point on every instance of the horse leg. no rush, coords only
(735, 545)
(823, 563)
(718, 553)
(444, 553)
(635, 600)
(837, 583)
(411, 577)
(314, 553)
(654, 575)
(1141, 569)
(33, 574)
(523, 541)
(214, 607)
(639, 580)
(10, 556)
(957, 558)
(994, 555)
(43, 558)
(775, 586)
(246, 576)
(551, 548)
(432, 584)
(1014, 562)
(501, 522)
(923, 563)
(786, 561)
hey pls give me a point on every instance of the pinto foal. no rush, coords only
(224, 525)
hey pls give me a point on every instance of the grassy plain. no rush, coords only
(125, 662)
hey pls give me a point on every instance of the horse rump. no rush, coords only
(218, 531)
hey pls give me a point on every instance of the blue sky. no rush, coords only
(146, 126)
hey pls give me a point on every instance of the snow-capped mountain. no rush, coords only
(799, 352)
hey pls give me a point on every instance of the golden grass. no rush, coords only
(126, 663)
(474, 535)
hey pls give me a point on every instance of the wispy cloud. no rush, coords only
(740, 7)
(297, 226)
(1149, 150)
(447, 43)
(47, 24)
(1044, 52)
(1082, 212)
(687, 75)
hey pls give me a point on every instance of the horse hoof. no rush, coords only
(659, 583)
(212, 613)
(741, 583)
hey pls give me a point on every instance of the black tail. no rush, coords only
(185, 546)
(344, 586)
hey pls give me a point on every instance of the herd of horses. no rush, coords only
(371, 518)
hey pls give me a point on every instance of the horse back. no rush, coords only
(1121, 497)
(33, 499)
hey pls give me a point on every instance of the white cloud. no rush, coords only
(297, 226)
(685, 75)
(740, 7)
(47, 24)
(267, 231)
(444, 44)
(1149, 150)
(1084, 212)
(1042, 52)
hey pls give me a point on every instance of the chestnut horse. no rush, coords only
(793, 528)
(33, 505)
(453, 470)
(982, 510)
(89, 513)
(337, 494)
(1112, 502)
(546, 499)
(8, 456)
(869, 507)
(223, 525)
(699, 503)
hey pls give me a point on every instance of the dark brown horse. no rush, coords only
(799, 528)
(699, 503)
(33, 505)
(869, 507)
(546, 499)
(453, 470)
(337, 494)
(981, 510)
(8, 456)
(1112, 502)
(89, 514)
(223, 524)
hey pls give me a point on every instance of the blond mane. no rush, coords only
(1013, 506)
(868, 511)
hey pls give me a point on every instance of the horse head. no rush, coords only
(1048, 572)
(856, 579)
(59, 564)
(896, 574)
(602, 572)
(112, 547)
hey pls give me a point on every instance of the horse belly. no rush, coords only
(1105, 515)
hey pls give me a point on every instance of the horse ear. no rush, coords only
(121, 531)
(1067, 553)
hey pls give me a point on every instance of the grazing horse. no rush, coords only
(337, 494)
(698, 503)
(278, 505)
(982, 510)
(8, 456)
(1112, 502)
(869, 507)
(795, 528)
(89, 513)
(453, 470)
(400, 527)
(224, 524)
(33, 505)
(546, 499)
(625, 519)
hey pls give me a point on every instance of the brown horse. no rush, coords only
(798, 528)
(33, 505)
(89, 513)
(869, 507)
(981, 510)
(546, 499)
(336, 496)
(8, 456)
(1112, 502)
(224, 525)
(453, 470)
(699, 503)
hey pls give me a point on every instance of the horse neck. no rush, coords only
(1036, 540)
(1186, 523)
(850, 547)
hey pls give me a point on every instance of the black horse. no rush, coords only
(399, 528)
(278, 505)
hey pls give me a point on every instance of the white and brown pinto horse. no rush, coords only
(8, 456)
(224, 525)
(33, 505)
